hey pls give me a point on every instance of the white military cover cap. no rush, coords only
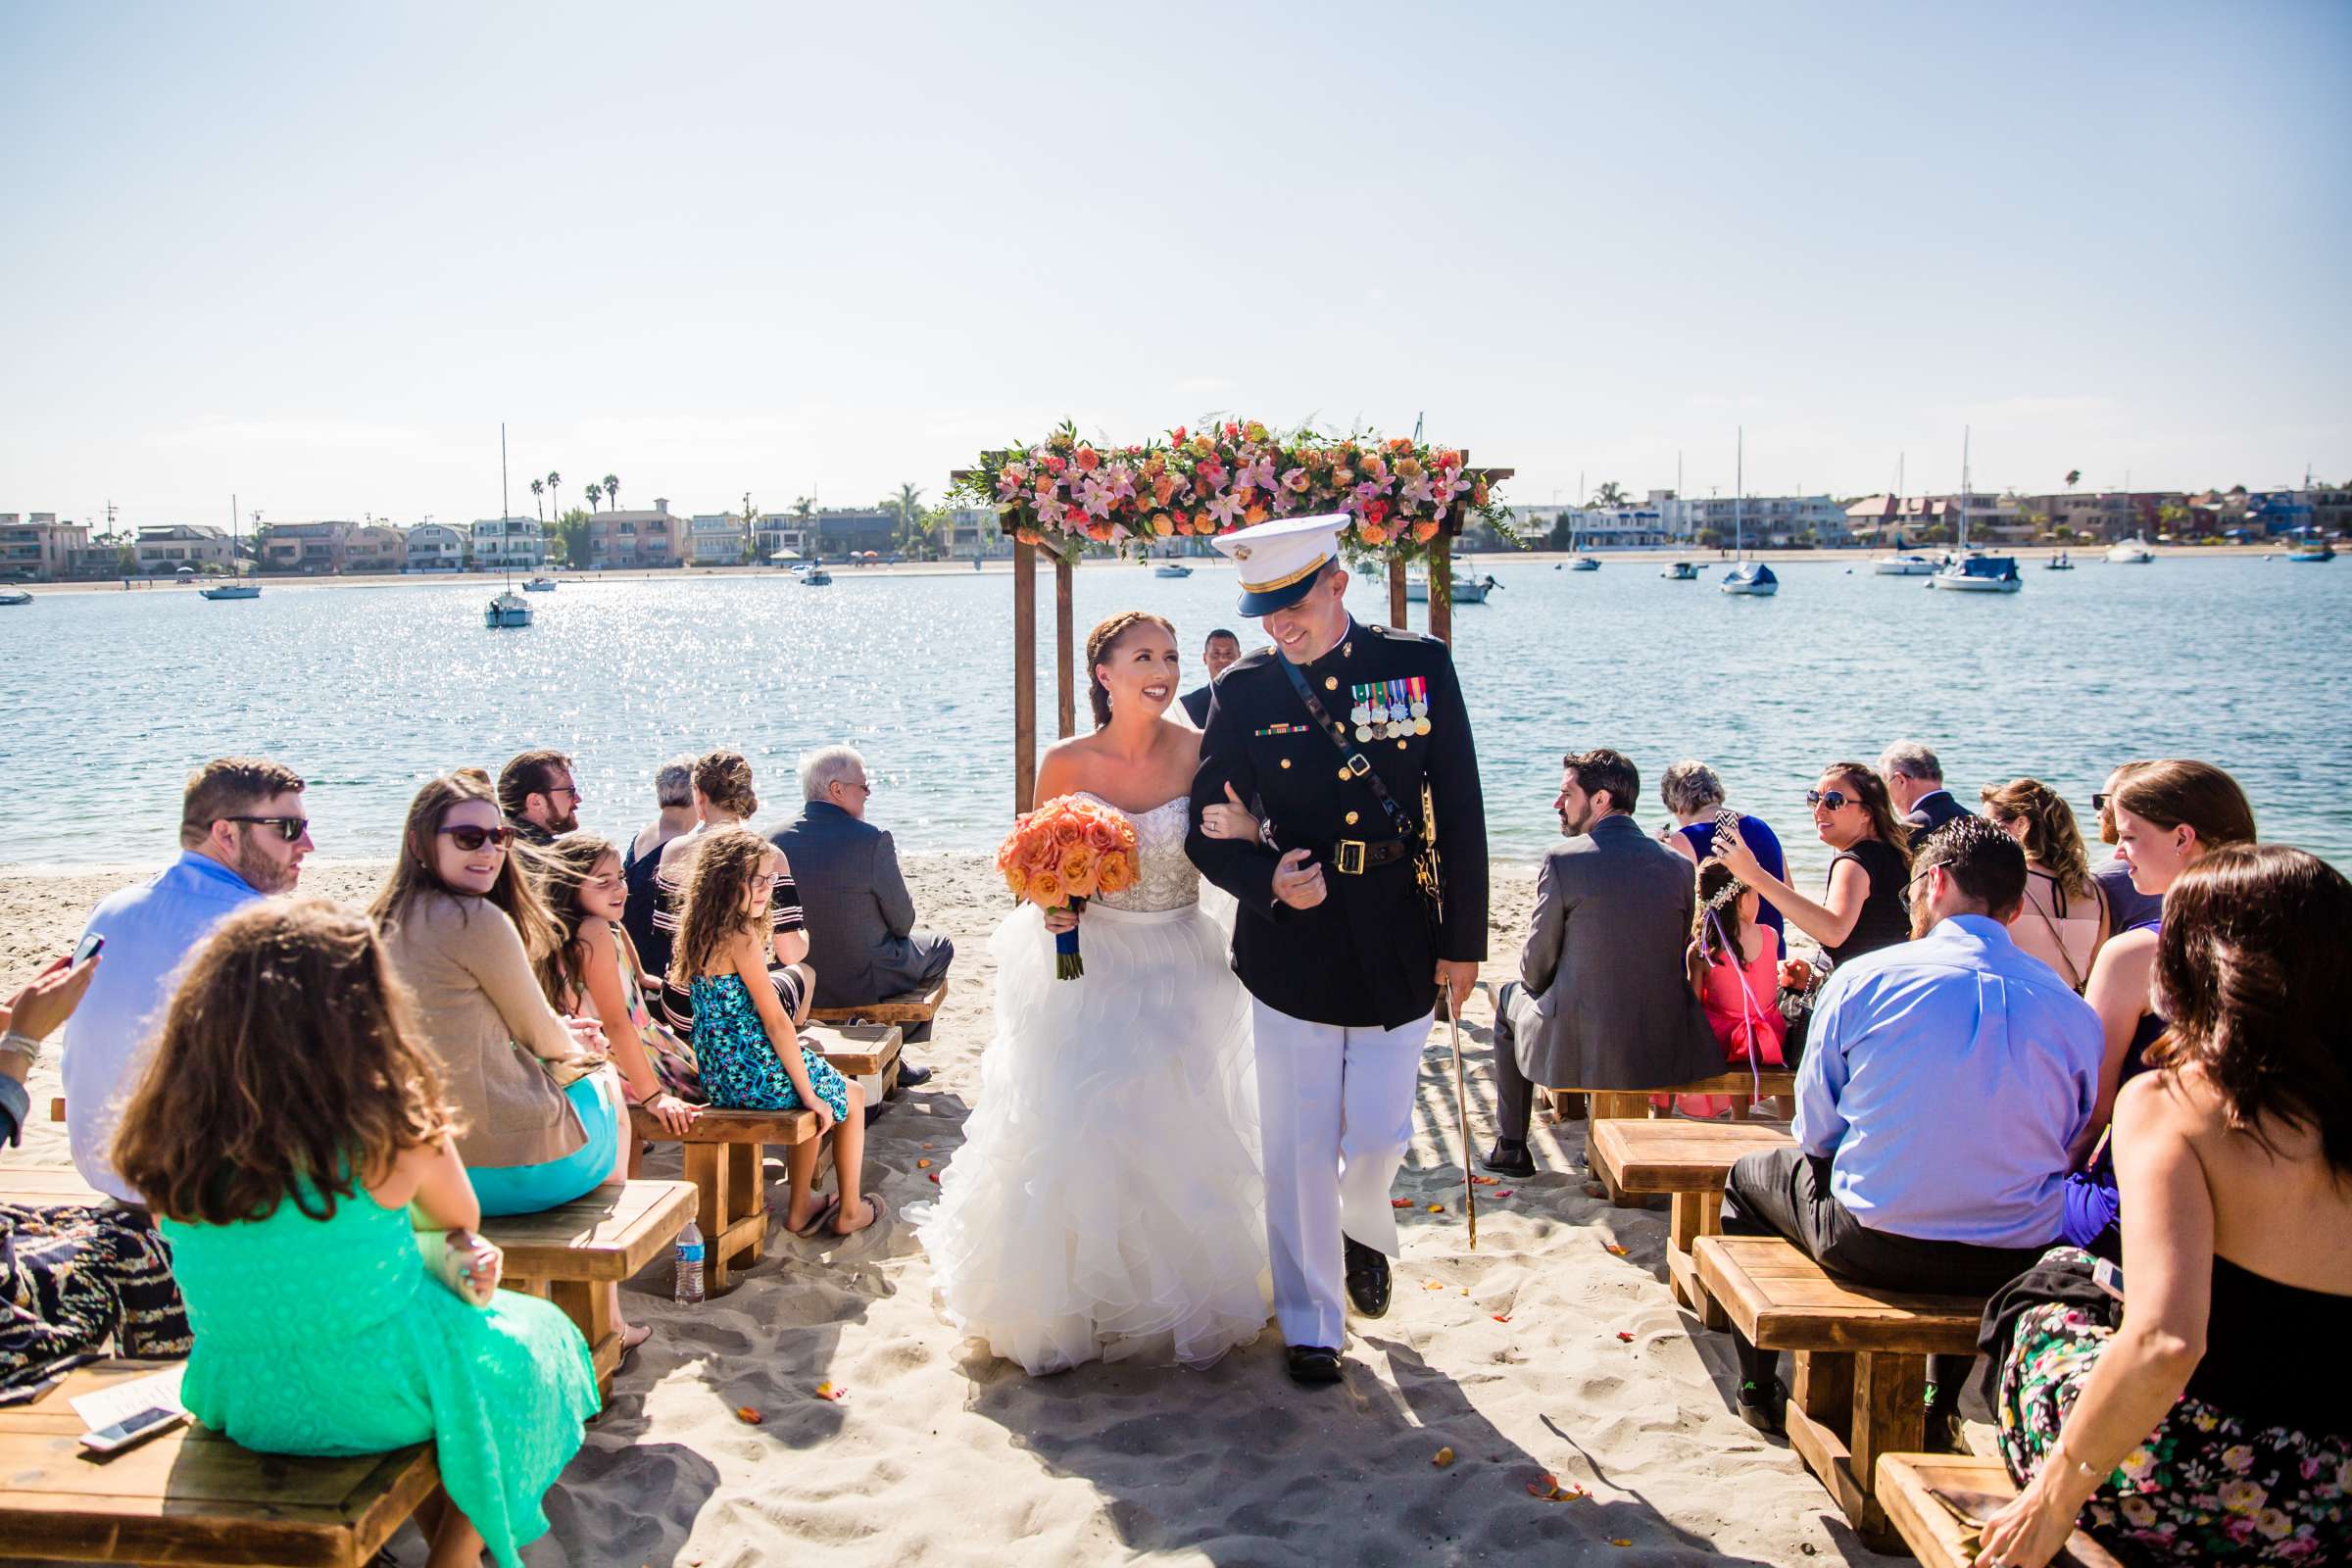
(1277, 561)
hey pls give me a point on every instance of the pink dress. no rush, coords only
(1741, 1003)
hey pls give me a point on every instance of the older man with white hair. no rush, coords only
(863, 940)
(1915, 780)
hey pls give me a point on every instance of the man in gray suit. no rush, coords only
(862, 941)
(1602, 999)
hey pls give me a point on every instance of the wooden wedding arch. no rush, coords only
(1438, 624)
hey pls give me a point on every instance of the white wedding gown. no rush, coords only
(1108, 1202)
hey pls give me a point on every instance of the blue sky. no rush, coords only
(314, 255)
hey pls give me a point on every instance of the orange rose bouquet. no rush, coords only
(1063, 854)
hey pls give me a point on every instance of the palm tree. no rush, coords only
(612, 491)
(538, 499)
(554, 482)
(909, 504)
(595, 493)
(1612, 494)
(2074, 478)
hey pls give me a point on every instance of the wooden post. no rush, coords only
(1065, 658)
(1025, 676)
(1440, 587)
(1396, 610)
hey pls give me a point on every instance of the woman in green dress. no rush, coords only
(292, 1136)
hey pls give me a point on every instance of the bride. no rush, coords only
(1107, 1202)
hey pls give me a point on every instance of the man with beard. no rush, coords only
(1602, 999)
(242, 836)
(539, 796)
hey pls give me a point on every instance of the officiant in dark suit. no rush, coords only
(1602, 999)
(862, 939)
(1220, 650)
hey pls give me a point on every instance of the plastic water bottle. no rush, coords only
(689, 1285)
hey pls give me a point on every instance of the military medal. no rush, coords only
(1363, 733)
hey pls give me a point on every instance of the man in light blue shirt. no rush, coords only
(1943, 1082)
(242, 836)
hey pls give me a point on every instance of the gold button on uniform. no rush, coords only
(1352, 819)
(1400, 745)
(1286, 761)
(1330, 683)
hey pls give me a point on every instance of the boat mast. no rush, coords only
(1964, 489)
(234, 568)
(1740, 497)
(504, 572)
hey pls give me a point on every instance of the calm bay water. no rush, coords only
(110, 698)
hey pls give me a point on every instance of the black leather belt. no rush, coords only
(1355, 857)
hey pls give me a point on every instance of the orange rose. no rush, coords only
(1425, 530)
(1161, 525)
(1202, 522)
(1046, 890)
(1078, 866)
(1255, 515)
(1089, 459)
(1116, 874)
(1068, 828)
(1372, 534)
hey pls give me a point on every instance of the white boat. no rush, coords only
(2311, 549)
(1978, 575)
(815, 577)
(509, 608)
(1909, 564)
(2061, 562)
(2131, 552)
(1585, 563)
(1171, 569)
(540, 585)
(1466, 590)
(1750, 577)
(1679, 571)
(14, 596)
(231, 590)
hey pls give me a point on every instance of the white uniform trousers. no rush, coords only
(1335, 1115)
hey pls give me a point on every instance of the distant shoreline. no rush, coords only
(2086, 554)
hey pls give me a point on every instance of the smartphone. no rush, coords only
(89, 948)
(133, 1429)
(2108, 1277)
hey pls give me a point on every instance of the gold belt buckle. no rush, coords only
(1347, 856)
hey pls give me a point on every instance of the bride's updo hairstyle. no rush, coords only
(1100, 644)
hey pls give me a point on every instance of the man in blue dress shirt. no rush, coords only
(1943, 1082)
(242, 836)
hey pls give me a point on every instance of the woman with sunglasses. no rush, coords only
(465, 927)
(1862, 906)
(2166, 817)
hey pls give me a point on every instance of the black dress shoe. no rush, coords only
(1313, 1363)
(1367, 1278)
(911, 1076)
(1509, 1158)
(1762, 1406)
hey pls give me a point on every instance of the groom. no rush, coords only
(1334, 940)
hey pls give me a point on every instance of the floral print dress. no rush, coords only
(2204, 1487)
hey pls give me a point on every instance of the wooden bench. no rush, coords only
(1621, 1105)
(1914, 1488)
(191, 1496)
(727, 1151)
(1861, 1358)
(1690, 1160)
(575, 1253)
(45, 1186)
(906, 1011)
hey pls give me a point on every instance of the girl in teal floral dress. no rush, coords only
(2213, 1423)
(746, 1041)
(291, 1134)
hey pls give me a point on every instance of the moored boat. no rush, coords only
(1585, 563)
(231, 590)
(509, 608)
(815, 577)
(1679, 571)
(14, 596)
(2131, 552)
(1171, 569)
(1751, 577)
(2061, 562)
(1466, 590)
(1978, 575)
(540, 585)
(1909, 564)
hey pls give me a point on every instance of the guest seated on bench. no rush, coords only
(1945, 1080)
(293, 1137)
(2214, 1425)
(863, 936)
(745, 1041)
(1601, 1000)
(723, 797)
(1734, 965)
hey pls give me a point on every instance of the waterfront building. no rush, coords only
(1634, 527)
(841, 531)
(1762, 519)
(715, 539)
(627, 540)
(167, 546)
(2127, 514)
(781, 536)
(508, 544)
(375, 547)
(971, 529)
(36, 547)
(434, 547)
(314, 549)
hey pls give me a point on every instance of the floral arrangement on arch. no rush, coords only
(1065, 491)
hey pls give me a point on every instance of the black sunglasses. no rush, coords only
(290, 828)
(1832, 799)
(471, 838)
(2099, 800)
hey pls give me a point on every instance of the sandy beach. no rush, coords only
(940, 1456)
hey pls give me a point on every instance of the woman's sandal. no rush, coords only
(637, 1334)
(874, 1204)
(821, 1218)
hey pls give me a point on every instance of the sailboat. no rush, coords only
(1750, 577)
(509, 608)
(233, 590)
(1972, 572)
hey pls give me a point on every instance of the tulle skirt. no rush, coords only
(1108, 1202)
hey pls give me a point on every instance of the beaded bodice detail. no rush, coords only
(1164, 875)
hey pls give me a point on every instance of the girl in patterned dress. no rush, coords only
(746, 1040)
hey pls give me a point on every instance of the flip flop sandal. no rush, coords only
(821, 1218)
(879, 1209)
